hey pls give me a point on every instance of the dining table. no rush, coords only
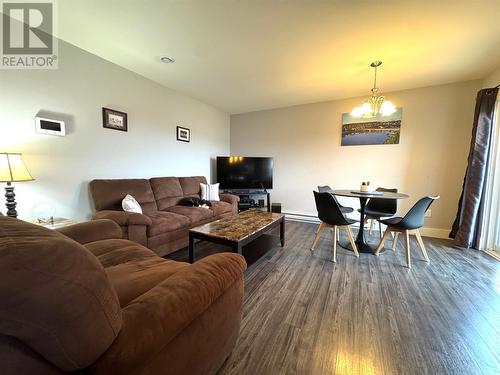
(361, 244)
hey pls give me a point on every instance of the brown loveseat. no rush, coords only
(163, 227)
(85, 299)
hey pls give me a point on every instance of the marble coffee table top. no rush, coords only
(240, 226)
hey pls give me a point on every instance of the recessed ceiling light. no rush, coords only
(167, 59)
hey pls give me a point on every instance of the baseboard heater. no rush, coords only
(301, 217)
(314, 219)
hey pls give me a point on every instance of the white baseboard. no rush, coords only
(425, 231)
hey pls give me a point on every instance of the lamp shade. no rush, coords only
(12, 168)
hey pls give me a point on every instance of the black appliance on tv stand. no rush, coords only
(247, 202)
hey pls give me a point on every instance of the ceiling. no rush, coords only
(248, 55)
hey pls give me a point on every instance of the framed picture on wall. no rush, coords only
(183, 134)
(112, 119)
(378, 130)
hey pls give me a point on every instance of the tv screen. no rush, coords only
(239, 172)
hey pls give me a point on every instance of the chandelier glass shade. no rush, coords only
(375, 104)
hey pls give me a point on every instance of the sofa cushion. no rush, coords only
(133, 279)
(210, 192)
(191, 185)
(195, 214)
(117, 251)
(184, 298)
(46, 280)
(108, 194)
(220, 208)
(130, 204)
(167, 191)
(131, 268)
(164, 221)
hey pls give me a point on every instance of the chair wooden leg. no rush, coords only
(335, 244)
(395, 241)
(379, 230)
(408, 258)
(338, 233)
(351, 240)
(382, 241)
(319, 227)
(371, 227)
(421, 244)
(318, 235)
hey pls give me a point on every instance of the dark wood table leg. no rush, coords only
(236, 247)
(361, 244)
(282, 232)
(191, 248)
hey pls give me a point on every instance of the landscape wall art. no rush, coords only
(379, 130)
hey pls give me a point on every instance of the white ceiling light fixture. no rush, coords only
(375, 104)
(167, 59)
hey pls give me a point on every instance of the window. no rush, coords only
(490, 233)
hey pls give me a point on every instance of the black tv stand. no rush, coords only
(246, 202)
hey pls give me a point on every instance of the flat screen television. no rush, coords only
(239, 172)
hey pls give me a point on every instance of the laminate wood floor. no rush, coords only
(304, 314)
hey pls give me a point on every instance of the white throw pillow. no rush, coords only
(210, 192)
(129, 204)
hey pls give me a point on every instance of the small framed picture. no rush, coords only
(112, 119)
(183, 134)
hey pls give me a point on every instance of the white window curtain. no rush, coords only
(490, 232)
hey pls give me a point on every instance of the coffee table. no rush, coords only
(238, 230)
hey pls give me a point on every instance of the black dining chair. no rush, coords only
(331, 216)
(344, 209)
(377, 208)
(409, 224)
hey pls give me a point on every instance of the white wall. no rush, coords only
(305, 143)
(76, 92)
(492, 79)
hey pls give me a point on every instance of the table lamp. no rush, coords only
(12, 169)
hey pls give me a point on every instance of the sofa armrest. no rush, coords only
(91, 231)
(123, 218)
(155, 318)
(229, 198)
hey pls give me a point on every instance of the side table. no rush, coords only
(56, 223)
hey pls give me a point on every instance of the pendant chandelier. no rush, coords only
(375, 104)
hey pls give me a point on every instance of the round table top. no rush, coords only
(353, 194)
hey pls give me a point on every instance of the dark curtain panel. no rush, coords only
(466, 227)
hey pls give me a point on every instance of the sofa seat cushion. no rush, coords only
(164, 221)
(195, 214)
(220, 208)
(135, 278)
(117, 251)
(132, 269)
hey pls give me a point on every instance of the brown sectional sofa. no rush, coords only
(83, 298)
(163, 227)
